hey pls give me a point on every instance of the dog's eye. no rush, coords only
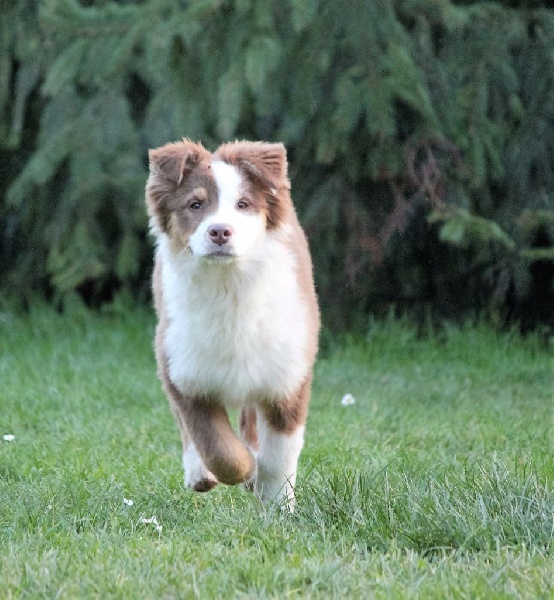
(242, 203)
(195, 205)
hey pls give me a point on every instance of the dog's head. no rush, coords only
(220, 205)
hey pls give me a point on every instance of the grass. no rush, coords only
(437, 483)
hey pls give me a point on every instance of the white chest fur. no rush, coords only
(236, 330)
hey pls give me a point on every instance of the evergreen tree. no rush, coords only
(420, 136)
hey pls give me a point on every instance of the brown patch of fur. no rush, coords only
(265, 167)
(176, 160)
(177, 171)
(289, 414)
(269, 160)
(204, 485)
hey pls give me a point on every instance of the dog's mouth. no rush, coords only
(220, 256)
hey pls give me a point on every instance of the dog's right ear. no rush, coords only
(175, 161)
(170, 165)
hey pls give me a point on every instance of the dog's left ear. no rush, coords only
(265, 165)
(261, 160)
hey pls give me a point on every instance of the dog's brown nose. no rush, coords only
(220, 233)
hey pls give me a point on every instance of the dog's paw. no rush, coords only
(197, 477)
(204, 485)
(200, 480)
(275, 491)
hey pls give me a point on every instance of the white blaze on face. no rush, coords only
(248, 226)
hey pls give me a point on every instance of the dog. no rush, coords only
(238, 318)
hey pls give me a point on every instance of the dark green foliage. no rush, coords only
(420, 136)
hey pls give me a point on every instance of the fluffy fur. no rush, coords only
(237, 312)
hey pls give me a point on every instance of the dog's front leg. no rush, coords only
(197, 476)
(212, 451)
(280, 437)
(217, 444)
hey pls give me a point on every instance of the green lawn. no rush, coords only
(437, 483)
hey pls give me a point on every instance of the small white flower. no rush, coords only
(128, 502)
(9, 437)
(149, 521)
(152, 521)
(348, 399)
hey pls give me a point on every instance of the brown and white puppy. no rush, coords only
(237, 312)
